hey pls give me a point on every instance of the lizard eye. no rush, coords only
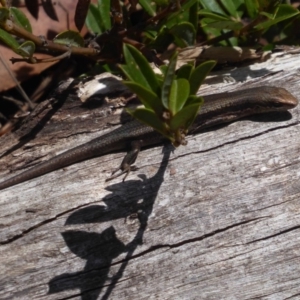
(277, 104)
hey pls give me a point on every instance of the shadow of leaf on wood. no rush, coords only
(98, 250)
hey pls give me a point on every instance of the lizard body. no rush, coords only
(217, 109)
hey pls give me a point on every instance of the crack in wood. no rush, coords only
(274, 235)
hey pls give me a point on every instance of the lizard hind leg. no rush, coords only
(126, 164)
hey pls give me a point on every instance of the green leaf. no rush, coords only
(92, 19)
(26, 49)
(8, 40)
(150, 34)
(138, 70)
(160, 80)
(283, 12)
(20, 19)
(268, 15)
(147, 97)
(215, 20)
(149, 118)
(252, 8)
(185, 71)
(179, 15)
(212, 6)
(168, 80)
(229, 25)
(163, 69)
(185, 117)
(193, 99)
(232, 7)
(184, 34)
(104, 10)
(149, 7)
(180, 91)
(199, 74)
(4, 14)
(69, 38)
(212, 15)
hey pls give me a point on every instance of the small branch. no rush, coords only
(12, 28)
(34, 60)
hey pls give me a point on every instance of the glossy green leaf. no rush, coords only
(149, 118)
(4, 14)
(283, 12)
(268, 15)
(147, 97)
(160, 81)
(199, 74)
(149, 7)
(229, 25)
(104, 10)
(180, 91)
(26, 49)
(163, 69)
(185, 71)
(184, 34)
(286, 11)
(185, 117)
(168, 80)
(212, 15)
(128, 72)
(8, 40)
(150, 34)
(20, 19)
(212, 6)
(252, 8)
(69, 38)
(233, 7)
(193, 99)
(180, 15)
(92, 19)
(138, 70)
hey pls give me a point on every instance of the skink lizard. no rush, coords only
(217, 109)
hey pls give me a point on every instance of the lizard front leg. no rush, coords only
(128, 160)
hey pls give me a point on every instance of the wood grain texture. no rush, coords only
(217, 219)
